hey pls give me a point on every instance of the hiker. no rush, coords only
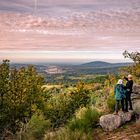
(129, 86)
(119, 92)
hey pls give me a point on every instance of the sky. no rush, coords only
(68, 31)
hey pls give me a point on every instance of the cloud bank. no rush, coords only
(76, 25)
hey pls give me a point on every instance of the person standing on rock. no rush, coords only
(129, 87)
(119, 92)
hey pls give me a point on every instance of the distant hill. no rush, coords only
(99, 64)
(96, 64)
(95, 67)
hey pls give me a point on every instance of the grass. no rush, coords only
(66, 134)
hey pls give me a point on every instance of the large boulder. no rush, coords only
(126, 117)
(110, 122)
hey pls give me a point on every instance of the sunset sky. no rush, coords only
(68, 30)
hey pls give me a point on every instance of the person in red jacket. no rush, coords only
(129, 88)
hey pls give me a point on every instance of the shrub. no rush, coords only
(38, 126)
(34, 129)
(111, 103)
(62, 106)
(98, 99)
(58, 109)
(84, 121)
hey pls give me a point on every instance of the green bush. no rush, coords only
(111, 103)
(38, 126)
(84, 121)
(98, 99)
(34, 129)
(58, 109)
(20, 89)
(62, 106)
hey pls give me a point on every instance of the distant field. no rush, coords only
(51, 86)
(65, 79)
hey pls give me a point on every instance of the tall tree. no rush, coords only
(135, 57)
(4, 78)
(20, 92)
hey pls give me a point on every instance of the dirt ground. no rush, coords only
(130, 131)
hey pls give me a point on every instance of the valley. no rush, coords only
(71, 74)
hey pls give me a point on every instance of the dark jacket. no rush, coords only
(129, 84)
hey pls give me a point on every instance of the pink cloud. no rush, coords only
(106, 29)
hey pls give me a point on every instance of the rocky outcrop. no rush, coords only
(136, 99)
(110, 122)
(136, 89)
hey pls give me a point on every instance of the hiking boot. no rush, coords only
(126, 111)
(115, 113)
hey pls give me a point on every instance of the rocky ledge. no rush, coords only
(136, 99)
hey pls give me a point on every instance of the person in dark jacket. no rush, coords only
(129, 87)
(120, 96)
